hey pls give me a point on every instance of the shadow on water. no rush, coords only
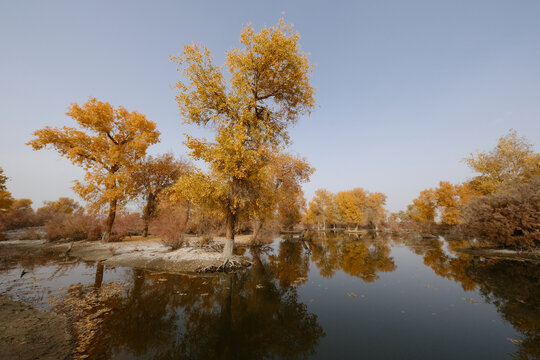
(261, 313)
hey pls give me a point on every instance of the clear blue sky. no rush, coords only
(405, 89)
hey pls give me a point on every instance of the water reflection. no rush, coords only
(512, 286)
(360, 257)
(261, 313)
(254, 314)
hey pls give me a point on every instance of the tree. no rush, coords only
(152, 177)
(360, 207)
(322, 208)
(350, 204)
(281, 192)
(374, 211)
(3, 180)
(267, 89)
(424, 205)
(108, 146)
(5, 196)
(513, 159)
(445, 201)
(63, 205)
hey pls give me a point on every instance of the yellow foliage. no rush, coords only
(322, 208)
(358, 206)
(513, 159)
(267, 89)
(5, 200)
(424, 206)
(63, 205)
(108, 146)
(5, 196)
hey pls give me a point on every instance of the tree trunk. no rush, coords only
(110, 220)
(145, 230)
(188, 212)
(257, 226)
(229, 241)
(99, 275)
(149, 211)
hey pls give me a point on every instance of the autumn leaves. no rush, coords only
(502, 203)
(355, 208)
(263, 88)
(266, 89)
(109, 144)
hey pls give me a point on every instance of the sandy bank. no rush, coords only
(27, 333)
(148, 254)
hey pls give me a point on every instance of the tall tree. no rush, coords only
(153, 176)
(266, 90)
(108, 145)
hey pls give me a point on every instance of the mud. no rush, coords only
(28, 333)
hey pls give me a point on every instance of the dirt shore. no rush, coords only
(504, 254)
(28, 333)
(137, 252)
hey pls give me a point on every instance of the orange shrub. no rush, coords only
(73, 227)
(511, 217)
(169, 225)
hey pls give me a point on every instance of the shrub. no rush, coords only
(169, 225)
(62, 206)
(202, 222)
(126, 224)
(19, 215)
(73, 227)
(511, 216)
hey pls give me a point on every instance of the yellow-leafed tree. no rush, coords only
(153, 176)
(360, 207)
(424, 207)
(5, 196)
(513, 159)
(267, 89)
(108, 145)
(322, 208)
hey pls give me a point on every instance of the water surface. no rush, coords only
(331, 297)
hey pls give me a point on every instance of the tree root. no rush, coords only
(229, 265)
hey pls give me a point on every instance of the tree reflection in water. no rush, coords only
(257, 313)
(512, 286)
(253, 314)
(361, 257)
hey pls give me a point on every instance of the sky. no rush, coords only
(404, 89)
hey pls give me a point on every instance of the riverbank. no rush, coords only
(503, 254)
(28, 333)
(144, 253)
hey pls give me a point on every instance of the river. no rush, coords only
(334, 297)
